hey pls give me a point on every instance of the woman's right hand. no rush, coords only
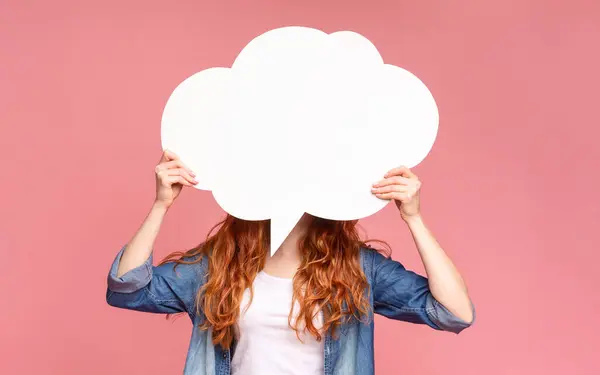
(171, 176)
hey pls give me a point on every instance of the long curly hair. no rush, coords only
(330, 278)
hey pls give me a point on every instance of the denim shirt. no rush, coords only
(395, 293)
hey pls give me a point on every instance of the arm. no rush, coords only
(444, 292)
(133, 282)
(171, 176)
(139, 249)
(445, 282)
(165, 289)
(401, 294)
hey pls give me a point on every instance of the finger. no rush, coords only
(177, 180)
(401, 171)
(173, 164)
(183, 173)
(391, 189)
(169, 177)
(168, 156)
(402, 197)
(396, 180)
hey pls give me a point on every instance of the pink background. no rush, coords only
(510, 188)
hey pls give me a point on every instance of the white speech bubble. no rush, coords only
(303, 121)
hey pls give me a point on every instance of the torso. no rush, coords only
(266, 343)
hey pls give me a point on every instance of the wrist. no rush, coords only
(412, 219)
(159, 207)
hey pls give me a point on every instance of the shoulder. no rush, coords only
(377, 265)
(372, 257)
(370, 260)
(184, 266)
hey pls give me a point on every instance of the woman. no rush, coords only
(308, 309)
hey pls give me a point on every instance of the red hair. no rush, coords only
(329, 279)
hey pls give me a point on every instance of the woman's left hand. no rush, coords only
(403, 186)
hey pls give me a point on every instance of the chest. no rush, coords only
(270, 310)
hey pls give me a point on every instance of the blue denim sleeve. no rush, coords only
(164, 289)
(401, 294)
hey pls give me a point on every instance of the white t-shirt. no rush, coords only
(266, 344)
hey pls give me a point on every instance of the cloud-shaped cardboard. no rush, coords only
(303, 121)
